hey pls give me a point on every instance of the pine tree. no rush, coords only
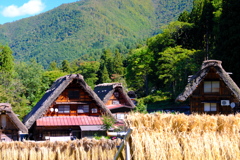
(227, 44)
(105, 76)
(106, 68)
(53, 66)
(118, 63)
(6, 59)
(65, 66)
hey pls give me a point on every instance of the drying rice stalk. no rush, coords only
(84, 149)
(176, 137)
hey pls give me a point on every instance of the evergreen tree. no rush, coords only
(105, 76)
(106, 67)
(66, 66)
(118, 72)
(53, 66)
(118, 63)
(108, 59)
(6, 59)
(205, 27)
(184, 17)
(227, 45)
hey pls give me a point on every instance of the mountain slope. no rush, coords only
(88, 26)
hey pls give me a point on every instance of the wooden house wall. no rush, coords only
(198, 97)
(55, 131)
(10, 131)
(82, 99)
(9, 124)
(120, 98)
(40, 133)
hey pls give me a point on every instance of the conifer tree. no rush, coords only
(227, 44)
(105, 76)
(118, 63)
(6, 59)
(66, 66)
(53, 66)
(106, 68)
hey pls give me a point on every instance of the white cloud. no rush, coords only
(30, 8)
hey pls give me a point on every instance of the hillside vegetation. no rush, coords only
(163, 64)
(86, 27)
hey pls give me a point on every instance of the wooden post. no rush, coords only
(127, 151)
(125, 144)
(0, 135)
(131, 148)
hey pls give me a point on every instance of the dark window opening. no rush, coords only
(73, 94)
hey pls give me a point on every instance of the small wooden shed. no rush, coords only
(66, 109)
(115, 98)
(211, 90)
(11, 127)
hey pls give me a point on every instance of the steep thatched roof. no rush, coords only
(106, 90)
(196, 79)
(7, 109)
(52, 94)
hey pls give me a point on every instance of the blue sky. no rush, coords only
(12, 10)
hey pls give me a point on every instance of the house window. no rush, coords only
(211, 86)
(94, 110)
(64, 109)
(73, 94)
(83, 109)
(119, 115)
(210, 107)
(115, 102)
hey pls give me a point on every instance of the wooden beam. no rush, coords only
(72, 102)
(125, 140)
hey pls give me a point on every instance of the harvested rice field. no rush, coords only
(158, 136)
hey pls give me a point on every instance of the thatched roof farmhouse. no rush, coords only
(211, 90)
(114, 97)
(11, 127)
(68, 106)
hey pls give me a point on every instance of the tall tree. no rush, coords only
(175, 66)
(139, 69)
(118, 63)
(66, 66)
(31, 76)
(11, 88)
(106, 60)
(12, 91)
(118, 69)
(104, 75)
(53, 66)
(227, 45)
(6, 59)
(89, 70)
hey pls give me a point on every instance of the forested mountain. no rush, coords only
(86, 27)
